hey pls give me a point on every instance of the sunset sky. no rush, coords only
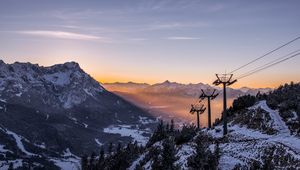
(151, 41)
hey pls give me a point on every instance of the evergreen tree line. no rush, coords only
(116, 158)
(272, 158)
(286, 99)
(160, 150)
(164, 157)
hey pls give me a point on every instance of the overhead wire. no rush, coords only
(269, 63)
(268, 53)
(268, 66)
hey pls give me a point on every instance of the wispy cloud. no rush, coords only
(138, 39)
(182, 38)
(177, 25)
(60, 35)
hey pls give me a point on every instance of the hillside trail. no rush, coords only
(283, 136)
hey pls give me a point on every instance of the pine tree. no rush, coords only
(100, 164)
(119, 147)
(172, 126)
(203, 159)
(92, 160)
(156, 163)
(11, 166)
(84, 162)
(158, 135)
(110, 148)
(138, 167)
(168, 156)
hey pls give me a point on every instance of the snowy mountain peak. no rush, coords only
(166, 82)
(60, 85)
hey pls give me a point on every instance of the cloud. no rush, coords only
(182, 38)
(177, 25)
(60, 35)
(137, 39)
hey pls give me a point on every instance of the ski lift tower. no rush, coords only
(199, 109)
(210, 94)
(225, 80)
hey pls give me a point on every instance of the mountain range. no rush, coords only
(178, 89)
(172, 100)
(51, 115)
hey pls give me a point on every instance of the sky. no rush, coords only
(187, 41)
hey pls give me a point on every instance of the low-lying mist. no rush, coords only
(177, 107)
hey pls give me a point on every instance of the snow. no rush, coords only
(67, 152)
(85, 125)
(98, 142)
(145, 120)
(228, 162)
(127, 130)
(19, 94)
(3, 100)
(3, 150)
(295, 116)
(183, 153)
(42, 145)
(279, 124)
(19, 142)
(88, 92)
(67, 164)
(247, 144)
(70, 161)
(59, 78)
(16, 164)
(137, 161)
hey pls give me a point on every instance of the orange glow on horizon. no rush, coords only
(273, 84)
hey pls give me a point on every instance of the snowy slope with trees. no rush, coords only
(260, 137)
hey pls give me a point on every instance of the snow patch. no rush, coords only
(127, 130)
(137, 161)
(19, 94)
(16, 164)
(59, 78)
(183, 153)
(98, 142)
(88, 92)
(67, 164)
(85, 125)
(19, 142)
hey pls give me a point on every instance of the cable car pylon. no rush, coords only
(210, 96)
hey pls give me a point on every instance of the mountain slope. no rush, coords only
(243, 147)
(59, 109)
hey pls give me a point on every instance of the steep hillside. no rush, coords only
(58, 112)
(258, 138)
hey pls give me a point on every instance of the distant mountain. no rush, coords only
(52, 113)
(172, 100)
(126, 87)
(255, 90)
(178, 89)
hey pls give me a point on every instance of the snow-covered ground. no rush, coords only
(130, 131)
(185, 151)
(19, 142)
(67, 164)
(247, 144)
(98, 142)
(5, 164)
